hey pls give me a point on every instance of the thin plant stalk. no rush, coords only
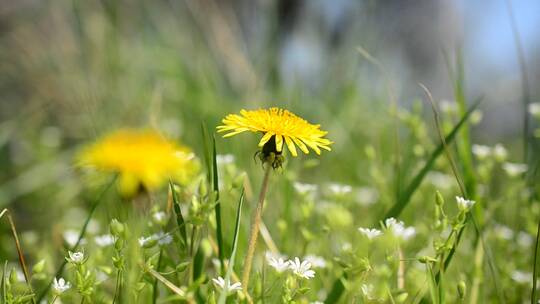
(535, 265)
(19, 250)
(401, 270)
(155, 287)
(254, 231)
(118, 283)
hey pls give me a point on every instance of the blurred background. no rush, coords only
(73, 70)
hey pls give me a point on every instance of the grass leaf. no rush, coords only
(206, 152)
(179, 217)
(219, 232)
(337, 290)
(4, 287)
(433, 291)
(406, 195)
(223, 295)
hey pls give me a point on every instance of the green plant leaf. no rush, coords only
(337, 290)
(406, 195)
(223, 295)
(179, 218)
(215, 180)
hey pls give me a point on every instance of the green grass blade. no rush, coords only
(179, 217)
(206, 152)
(198, 264)
(217, 210)
(212, 175)
(433, 291)
(457, 77)
(535, 265)
(417, 180)
(223, 295)
(96, 203)
(4, 287)
(337, 290)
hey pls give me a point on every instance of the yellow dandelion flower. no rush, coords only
(141, 158)
(278, 126)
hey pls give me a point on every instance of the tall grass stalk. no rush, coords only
(20, 254)
(254, 231)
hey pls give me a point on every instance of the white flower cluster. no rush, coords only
(339, 189)
(104, 240)
(393, 226)
(483, 152)
(224, 159)
(300, 268)
(534, 109)
(514, 169)
(75, 257)
(60, 285)
(370, 233)
(161, 238)
(464, 204)
(305, 189)
(398, 229)
(226, 285)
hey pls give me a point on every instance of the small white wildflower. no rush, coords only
(162, 238)
(305, 189)
(398, 229)
(101, 276)
(464, 204)
(524, 239)
(20, 275)
(316, 261)
(60, 285)
(534, 109)
(521, 277)
(224, 159)
(104, 240)
(275, 255)
(440, 180)
(144, 240)
(317, 302)
(278, 264)
(513, 169)
(448, 106)
(408, 233)
(367, 291)
(339, 189)
(500, 152)
(226, 285)
(159, 216)
(71, 237)
(504, 232)
(370, 233)
(367, 196)
(301, 268)
(75, 257)
(481, 151)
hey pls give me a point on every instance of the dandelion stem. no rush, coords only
(254, 232)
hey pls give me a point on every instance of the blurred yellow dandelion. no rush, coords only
(277, 126)
(142, 158)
